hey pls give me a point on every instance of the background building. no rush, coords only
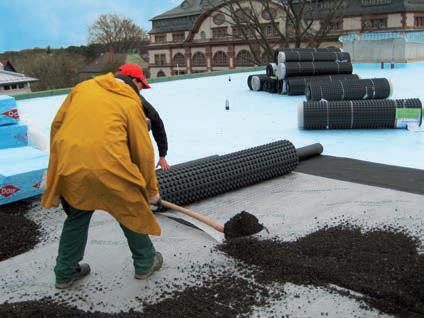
(11, 82)
(194, 37)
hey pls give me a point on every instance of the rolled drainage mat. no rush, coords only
(302, 56)
(277, 51)
(361, 89)
(297, 85)
(271, 68)
(281, 87)
(360, 114)
(270, 85)
(227, 173)
(285, 70)
(257, 82)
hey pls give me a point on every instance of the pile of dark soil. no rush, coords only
(219, 296)
(242, 224)
(383, 266)
(17, 233)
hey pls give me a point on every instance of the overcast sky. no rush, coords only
(27, 24)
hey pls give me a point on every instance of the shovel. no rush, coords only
(242, 224)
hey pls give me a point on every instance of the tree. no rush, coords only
(301, 22)
(116, 32)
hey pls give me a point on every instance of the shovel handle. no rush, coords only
(194, 215)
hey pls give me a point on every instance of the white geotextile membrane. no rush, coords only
(290, 207)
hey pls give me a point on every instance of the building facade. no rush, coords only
(13, 83)
(196, 37)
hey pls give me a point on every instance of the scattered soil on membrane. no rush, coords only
(17, 233)
(383, 265)
(242, 224)
(225, 296)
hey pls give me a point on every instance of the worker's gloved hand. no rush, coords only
(154, 200)
(163, 164)
(155, 204)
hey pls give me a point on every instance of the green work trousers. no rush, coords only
(74, 240)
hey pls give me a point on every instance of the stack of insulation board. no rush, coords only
(293, 68)
(21, 166)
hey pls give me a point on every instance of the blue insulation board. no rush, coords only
(21, 172)
(13, 136)
(8, 110)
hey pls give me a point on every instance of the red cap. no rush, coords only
(135, 71)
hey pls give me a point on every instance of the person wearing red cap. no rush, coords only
(132, 72)
(102, 158)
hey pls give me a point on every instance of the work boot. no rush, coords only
(84, 270)
(157, 265)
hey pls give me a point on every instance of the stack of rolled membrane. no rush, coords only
(270, 85)
(359, 114)
(373, 88)
(285, 70)
(297, 85)
(207, 178)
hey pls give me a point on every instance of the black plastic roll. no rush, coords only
(281, 87)
(310, 151)
(297, 85)
(361, 89)
(270, 69)
(257, 82)
(270, 85)
(249, 81)
(188, 184)
(310, 56)
(285, 70)
(277, 51)
(360, 114)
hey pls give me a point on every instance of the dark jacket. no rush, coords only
(158, 128)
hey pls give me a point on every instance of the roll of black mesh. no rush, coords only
(285, 70)
(297, 85)
(249, 81)
(277, 51)
(361, 89)
(270, 85)
(191, 183)
(310, 56)
(257, 82)
(359, 114)
(270, 69)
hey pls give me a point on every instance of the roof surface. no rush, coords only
(13, 78)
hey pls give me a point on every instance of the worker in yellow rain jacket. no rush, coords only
(101, 158)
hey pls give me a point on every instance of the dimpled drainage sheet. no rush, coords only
(296, 85)
(359, 114)
(187, 184)
(308, 56)
(290, 207)
(374, 88)
(285, 70)
(291, 50)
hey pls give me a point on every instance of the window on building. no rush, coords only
(219, 19)
(160, 38)
(269, 29)
(238, 33)
(14, 86)
(374, 24)
(203, 35)
(178, 37)
(419, 22)
(161, 74)
(160, 59)
(336, 25)
(244, 58)
(179, 59)
(7, 87)
(220, 59)
(219, 33)
(199, 59)
(269, 14)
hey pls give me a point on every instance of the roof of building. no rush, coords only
(7, 66)
(184, 16)
(7, 77)
(106, 59)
